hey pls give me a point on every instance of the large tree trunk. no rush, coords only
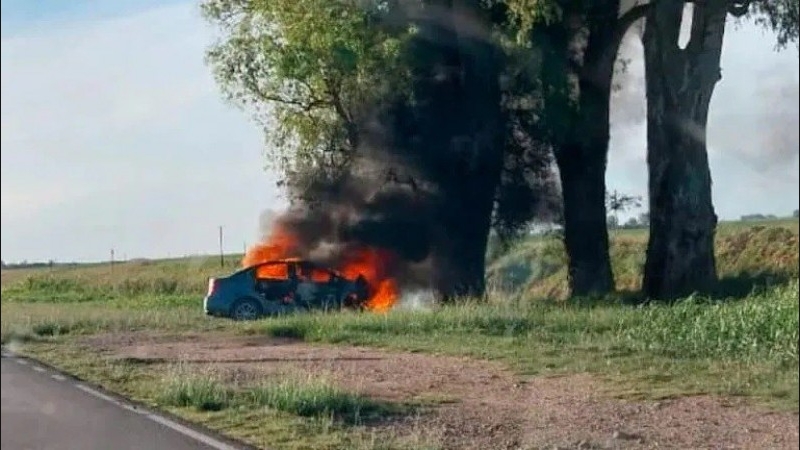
(680, 82)
(476, 157)
(460, 256)
(582, 155)
(459, 146)
(582, 167)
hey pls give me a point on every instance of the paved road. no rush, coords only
(42, 410)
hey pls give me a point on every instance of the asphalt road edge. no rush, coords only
(190, 429)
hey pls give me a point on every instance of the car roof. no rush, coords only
(292, 260)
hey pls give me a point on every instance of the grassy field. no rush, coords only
(743, 341)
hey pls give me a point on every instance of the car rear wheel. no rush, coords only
(245, 309)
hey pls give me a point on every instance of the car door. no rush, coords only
(274, 280)
(315, 286)
(306, 291)
(327, 287)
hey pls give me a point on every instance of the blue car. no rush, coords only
(282, 287)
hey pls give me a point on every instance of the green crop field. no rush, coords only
(741, 341)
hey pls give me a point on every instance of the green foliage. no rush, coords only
(781, 16)
(306, 67)
(525, 15)
(315, 71)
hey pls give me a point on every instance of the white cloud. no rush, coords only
(114, 133)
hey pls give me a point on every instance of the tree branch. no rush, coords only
(737, 8)
(305, 106)
(623, 23)
(352, 130)
(251, 84)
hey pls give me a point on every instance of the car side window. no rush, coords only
(321, 275)
(276, 271)
(313, 274)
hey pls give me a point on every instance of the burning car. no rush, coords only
(283, 286)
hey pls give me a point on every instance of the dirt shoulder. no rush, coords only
(478, 404)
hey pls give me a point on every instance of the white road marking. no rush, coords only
(175, 426)
(196, 435)
(105, 397)
(186, 431)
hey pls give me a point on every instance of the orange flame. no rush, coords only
(279, 245)
(371, 263)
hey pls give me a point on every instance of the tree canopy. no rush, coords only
(781, 16)
(475, 99)
(306, 69)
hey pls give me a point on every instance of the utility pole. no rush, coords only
(221, 255)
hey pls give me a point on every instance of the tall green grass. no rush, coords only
(171, 277)
(762, 326)
(754, 255)
(25, 322)
(298, 394)
(745, 341)
(203, 393)
(533, 268)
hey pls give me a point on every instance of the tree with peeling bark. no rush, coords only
(679, 85)
(577, 43)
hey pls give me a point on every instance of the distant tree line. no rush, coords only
(24, 264)
(757, 217)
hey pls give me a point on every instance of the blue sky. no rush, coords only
(114, 134)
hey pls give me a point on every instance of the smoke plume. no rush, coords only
(368, 207)
(413, 200)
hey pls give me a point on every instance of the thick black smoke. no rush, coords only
(426, 171)
(379, 199)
